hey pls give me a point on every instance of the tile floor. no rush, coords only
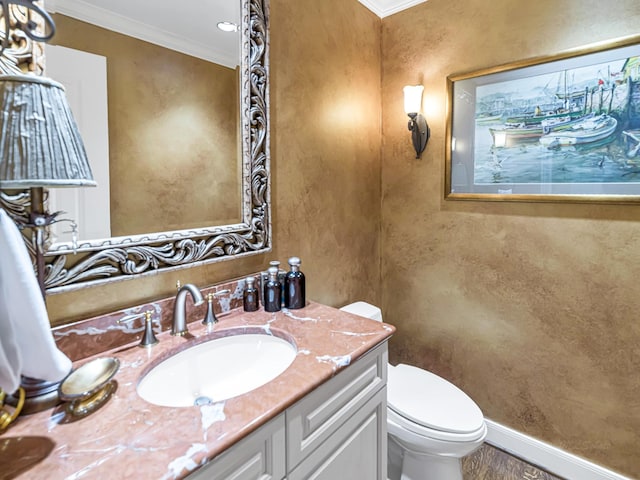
(490, 463)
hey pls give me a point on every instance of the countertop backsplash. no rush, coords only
(103, 332)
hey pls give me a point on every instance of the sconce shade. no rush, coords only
(413, 98)
(40, 144)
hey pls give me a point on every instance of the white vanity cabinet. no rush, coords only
(260, 456)
(341, 426)
(337, 432)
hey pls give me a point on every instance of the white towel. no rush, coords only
(27, 346)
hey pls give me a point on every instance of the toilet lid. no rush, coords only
(431, 401)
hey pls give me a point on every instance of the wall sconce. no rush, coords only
(418, 127)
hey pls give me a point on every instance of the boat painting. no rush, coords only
(565, 126)
(591, 130)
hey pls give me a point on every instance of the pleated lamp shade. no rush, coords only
(40, 145)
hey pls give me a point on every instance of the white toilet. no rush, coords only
(432, 424)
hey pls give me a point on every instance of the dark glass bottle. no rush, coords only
(281, 277)
(295, 285)
(262, 281)
(250, 296)
(272, 292)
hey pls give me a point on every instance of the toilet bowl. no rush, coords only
(431, 423)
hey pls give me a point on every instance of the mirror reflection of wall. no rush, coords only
(173, 133)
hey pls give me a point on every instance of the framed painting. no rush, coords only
(559, 128)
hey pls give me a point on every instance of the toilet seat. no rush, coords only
(401, 427)
(428, 405)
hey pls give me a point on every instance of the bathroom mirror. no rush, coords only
(144, 248)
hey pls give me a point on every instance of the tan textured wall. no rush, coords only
(325, 162)
(172, 122)
(530, 308)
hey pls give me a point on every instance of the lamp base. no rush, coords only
(39, 395)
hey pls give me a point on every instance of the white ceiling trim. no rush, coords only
(86, 12)
(384, 8)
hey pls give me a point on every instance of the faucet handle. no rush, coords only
(210, 317)
(148, 337)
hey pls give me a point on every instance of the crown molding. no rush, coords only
(384, 8)
(109, 20)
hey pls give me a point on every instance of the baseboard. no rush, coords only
(545, 456)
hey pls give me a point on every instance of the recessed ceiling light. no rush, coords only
(228, 26)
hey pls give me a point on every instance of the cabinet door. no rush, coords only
(357, 450)
(260, 456)
(316, 417)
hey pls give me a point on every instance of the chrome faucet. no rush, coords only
(179, 326)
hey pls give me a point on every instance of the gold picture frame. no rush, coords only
(558, 128)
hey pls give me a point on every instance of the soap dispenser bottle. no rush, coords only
(272, 294)
(294, 285)
(282, 274)
(250, 296)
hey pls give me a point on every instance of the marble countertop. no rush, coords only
(129, 438)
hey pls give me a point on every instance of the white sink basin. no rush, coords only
(216, 370)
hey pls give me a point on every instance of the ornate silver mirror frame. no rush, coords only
(103, 261)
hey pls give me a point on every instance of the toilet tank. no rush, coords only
(364, 309)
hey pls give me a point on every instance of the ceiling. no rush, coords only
(384, 8)
(188, 26)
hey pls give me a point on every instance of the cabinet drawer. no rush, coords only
(260, 456)
(316, 417)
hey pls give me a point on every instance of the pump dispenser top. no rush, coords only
(294, 285)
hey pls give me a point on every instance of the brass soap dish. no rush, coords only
(88, 387)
